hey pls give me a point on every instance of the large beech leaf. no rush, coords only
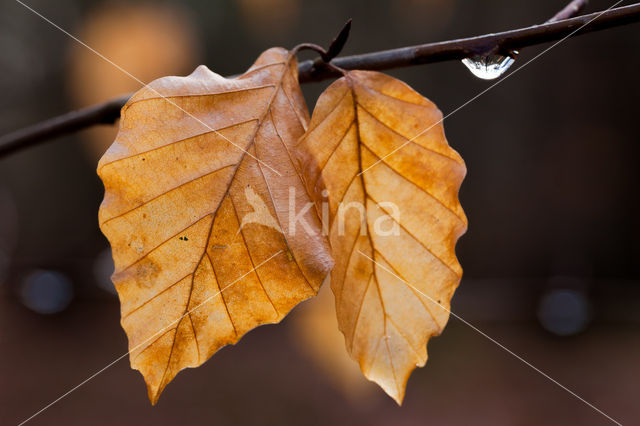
(394, 219)
(198, 185)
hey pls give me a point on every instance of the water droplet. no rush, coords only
(564, 312)
(46, 292)
(489, 67)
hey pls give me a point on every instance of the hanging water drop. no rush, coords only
(489, 67)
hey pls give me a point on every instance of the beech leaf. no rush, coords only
(394, 218)
(197, 211)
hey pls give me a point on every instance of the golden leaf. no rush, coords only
(394, 218)
(195, 156)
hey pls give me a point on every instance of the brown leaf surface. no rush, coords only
(197, 197)
(410, 221)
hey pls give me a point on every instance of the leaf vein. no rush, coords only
(412, 140)
(224, 302)
(253, 266)
(170, 98)
(415, 184)
(440, 327)
(175, 188)
(240, 123)
(412, 235)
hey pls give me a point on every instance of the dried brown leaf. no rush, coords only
(401, 242)
(197, 197)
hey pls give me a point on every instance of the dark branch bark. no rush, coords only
(105, 113)
(504, 42)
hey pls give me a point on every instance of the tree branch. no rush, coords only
(504, 42)
(105, 113)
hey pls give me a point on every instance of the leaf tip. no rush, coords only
(397, 394)
(153, 393)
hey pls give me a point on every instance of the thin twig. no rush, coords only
(572, 9)
(503, 42)
(105, 113)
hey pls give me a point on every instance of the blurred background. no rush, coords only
(551, 256)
